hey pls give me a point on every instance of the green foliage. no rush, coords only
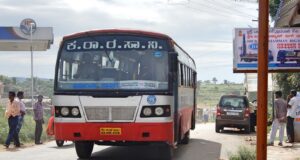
(208, 94)
(243, 153)
(287, 81)
(273, 7)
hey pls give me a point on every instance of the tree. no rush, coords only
(215, 80)
(226, 81)
(287, 82)
(273, 6)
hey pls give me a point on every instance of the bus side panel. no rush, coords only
(186, 107)
(139, 132)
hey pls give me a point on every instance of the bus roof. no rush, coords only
(118, 31)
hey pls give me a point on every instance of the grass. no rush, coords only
(243, 153)
(26, 134)
(208, 95)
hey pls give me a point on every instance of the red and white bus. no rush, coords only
(123, 87)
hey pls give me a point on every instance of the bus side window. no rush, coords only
(182, 75)
(179, 75)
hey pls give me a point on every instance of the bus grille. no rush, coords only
(119, 113)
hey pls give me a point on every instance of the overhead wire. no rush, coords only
(218, 6)
(211, 7)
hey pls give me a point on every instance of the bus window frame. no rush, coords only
(117, 93)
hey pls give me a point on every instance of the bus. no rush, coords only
(123, 87)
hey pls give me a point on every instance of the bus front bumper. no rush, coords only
(131, 132)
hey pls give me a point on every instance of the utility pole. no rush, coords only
(262, 87)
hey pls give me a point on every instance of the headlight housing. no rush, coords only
(67, 111)
(156, 111)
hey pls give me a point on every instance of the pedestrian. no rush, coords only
(38, 109)
(12, 113)
(293, 102)
(205, 115)
(280, 108)
(20, 96)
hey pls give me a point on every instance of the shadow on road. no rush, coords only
(196, 149)
(65, 146)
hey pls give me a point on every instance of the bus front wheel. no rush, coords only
(186, 138)
(84, 149)
(59, 143)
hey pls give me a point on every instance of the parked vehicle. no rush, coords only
(233, 111)
(285, 55)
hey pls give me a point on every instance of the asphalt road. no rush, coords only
(205, 144)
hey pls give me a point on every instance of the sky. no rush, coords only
(203, 28)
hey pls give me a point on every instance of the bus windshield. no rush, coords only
(113, 62)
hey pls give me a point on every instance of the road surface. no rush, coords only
(205, 144)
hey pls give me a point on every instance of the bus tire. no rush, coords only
(168, 153)
(186, 138)
(59, 143)
(84, 148)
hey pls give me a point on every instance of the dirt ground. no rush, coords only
(286, 152)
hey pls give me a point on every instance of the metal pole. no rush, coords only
(262, 87)
(31, 64)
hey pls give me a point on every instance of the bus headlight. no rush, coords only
(75, 111)
(147, 111)
(64, 111)
(159, 111)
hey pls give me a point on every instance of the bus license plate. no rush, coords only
(110, 131)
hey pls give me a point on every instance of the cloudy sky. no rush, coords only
(204, 28)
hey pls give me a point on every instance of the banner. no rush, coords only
(283, 53)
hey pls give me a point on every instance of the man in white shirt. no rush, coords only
(293, 102)
(20, 96)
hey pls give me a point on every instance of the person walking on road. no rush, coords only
(38, 109)
(280, 107)
(293, 102)
(12, 113)
(20, 96)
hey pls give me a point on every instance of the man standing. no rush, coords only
(280, 107)
(293, 102)
(12, 113)
(20, 96)
(38, 117)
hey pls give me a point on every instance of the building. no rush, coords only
(289, 14)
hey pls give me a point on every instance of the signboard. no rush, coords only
(283, 54)
(28, 26)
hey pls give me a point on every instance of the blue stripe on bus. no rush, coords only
(85, 86)
(109, 85)
(95, 86)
